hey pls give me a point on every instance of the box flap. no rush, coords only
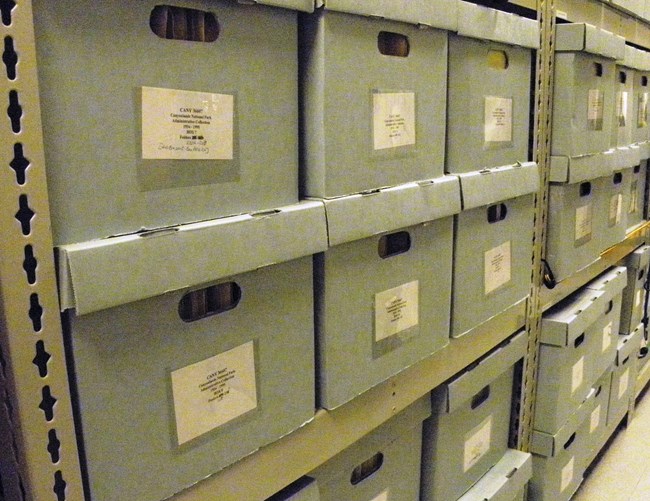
(565, 321)
(572, 170)
(634, 58)
(489, 186)
(485, 23)
(362, 215)
(103, 273)
(302, 5)
(613, 281)
(478, 375)
(625, 157)
(441, 14)
(587, 38)
(545, 444)
(504, 480)
(638, 259)
(628, 346)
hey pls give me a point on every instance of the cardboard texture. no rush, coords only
(583, 37)
(143, 358)
(375, 315)
(399, 441)
(105, 273)
(491, 255)
(302, 5)
(624, 120)
(636, 7)
(467, 433)
(303, 489)
(100, 183)
(383, 129)
(641, 64)
(634, 191)
(633, 301)
(598, 431)
(611, 209)
(505, 481)
(624, 377)
(582, 168)
(567, 358)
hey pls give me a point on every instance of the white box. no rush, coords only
(598, 431)
(624, 377)
(634, 192)
(634, 295)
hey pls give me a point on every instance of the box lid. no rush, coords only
(103, 273)
(545, 444)
(303, 489)
(634, 58)
(638, 259)
(489, 186)
(354, 217)
(303, 5)
(584, 37)
(441, 14)
(628, 346)
(612, 282)
(625, 157)
(504, 480)
(582, 168)
(483, 372)
(485, 23)
(565, 321)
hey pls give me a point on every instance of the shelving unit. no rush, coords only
(39, 433)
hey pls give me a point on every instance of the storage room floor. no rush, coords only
(622, 470)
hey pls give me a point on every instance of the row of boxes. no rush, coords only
(194, 130)
(449, 446)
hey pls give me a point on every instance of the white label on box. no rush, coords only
(396, 310)
(623, 383)
(382, 496)
(583, 222)
(212, 392)
(497, 265)
(186, 125)
(621, 108)
(637, 298)
(577, 374)
(498, 119)
(393, 119)
(595, 109)
(634, 198)
(607, 336)
(642, 115)
(477, 443)
(567, 475)
(595, 419)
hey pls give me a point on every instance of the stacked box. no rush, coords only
(624, 377)
(383, 287)
(373, 94)
(199, 377)
(634, 194)
(180, 136)
(489, 89)
(623, 121)
(611, 218)
(574, 239)
(506, 480)
(633, 303)
(570, 332)
(493, 233)
(598, 431)
(468, 430)
(640, 61)
(303, 489)
(384, 465)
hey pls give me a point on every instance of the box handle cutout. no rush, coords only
(367, 468)
(627, 359)
(212, 300)
(598, 69)
(641, 274)
(393, 44)
(512, 472)
(182, 23)
(585, 189)
(568, 443)
(622, 77)
(610, 307)
(496, 213)
(637, 169)
(644, 81)
(394, 244)
(497, 60)
(579, 340)
(600, 388)
(481, 397)
(618, 178)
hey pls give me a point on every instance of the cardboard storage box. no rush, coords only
(633, 302)
(373, 95)
(303, 489)
(598, 431)
(382, 466)
(624, 121)
(634, 192)
(613, 199)
(559, 458)
(636, 7)
(171, 131)
(505, 481)
(383, 287)
(624, 377)
(489, 89)
(640, 61)
(583, 97)
(493, 238)
(468, 430)
(570, 332)
(574, 239)
(199, 377)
